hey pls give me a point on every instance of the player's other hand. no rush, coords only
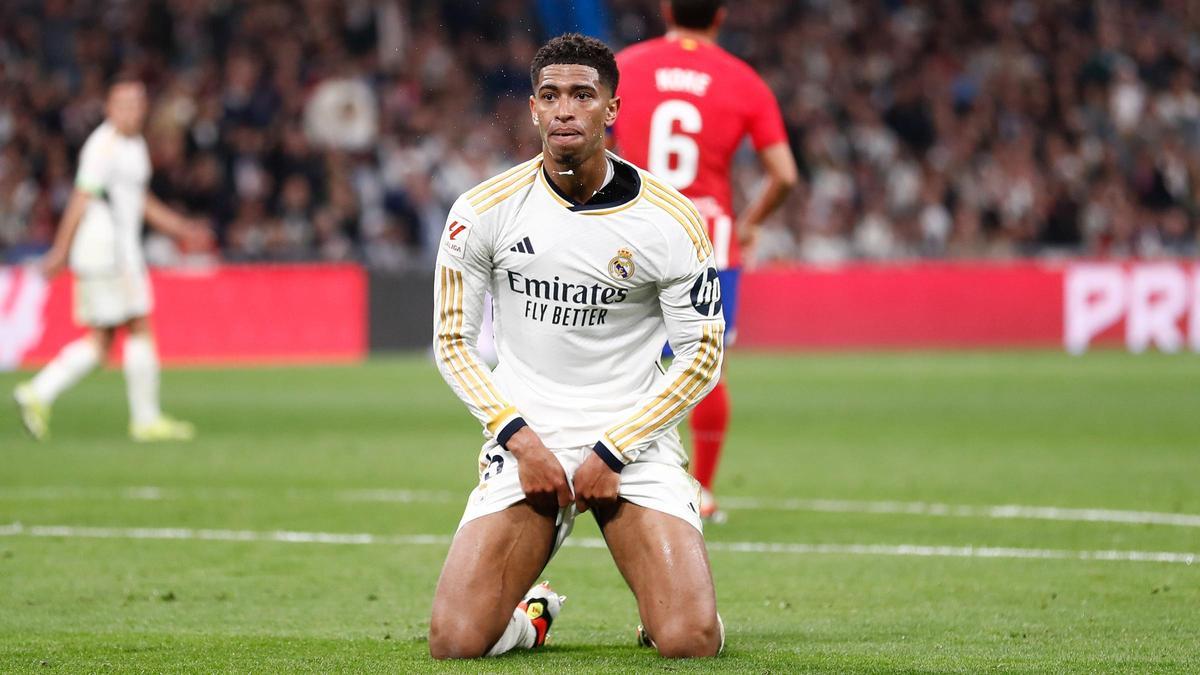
(198, 236)
(542, 476)
(53, 262)
(748, 240)
(596, 485)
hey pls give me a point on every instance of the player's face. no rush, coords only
(572, 109)
(127, 108)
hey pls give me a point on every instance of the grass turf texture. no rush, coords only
(293, 449)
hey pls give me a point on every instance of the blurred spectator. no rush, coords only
(317, 130)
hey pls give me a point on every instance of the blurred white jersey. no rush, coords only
(584, 298)
(115, 170)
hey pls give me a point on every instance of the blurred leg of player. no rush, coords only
(710, 418)
(492, 563)
(72, 363)
(105, 303)
(146, 420)
(709, 422)
(665, 563)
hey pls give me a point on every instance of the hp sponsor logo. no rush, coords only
(706, 293)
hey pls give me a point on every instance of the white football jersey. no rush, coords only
(115, 170)
(584, 297)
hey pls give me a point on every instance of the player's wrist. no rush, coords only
(514, 427)
(525, 443)
(611, 458)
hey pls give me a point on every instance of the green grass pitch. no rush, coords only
(384, 449)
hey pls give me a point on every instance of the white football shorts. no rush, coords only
(657, 480)
(107, 300)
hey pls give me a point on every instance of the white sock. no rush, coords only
(722, 625)
(519, 633)
(68, 367)
(141, 379)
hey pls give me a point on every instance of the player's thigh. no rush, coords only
(493, 561)
(99, 301)
(112, 300)
(665, 563)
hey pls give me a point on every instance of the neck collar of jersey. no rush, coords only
(622, 191)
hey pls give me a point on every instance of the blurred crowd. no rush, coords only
(342, 130)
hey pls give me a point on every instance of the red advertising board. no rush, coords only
(973, 305)
(221, 315)
(318, 313)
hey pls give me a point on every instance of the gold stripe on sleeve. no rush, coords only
(526, 180)
(697, 242)
(488, 392)
(684, 398)
(449, 342)
(503, 185)
(676, 396)
(685, 208)
(682, 380)
(496, 180)
(493, 424)
(472, 364)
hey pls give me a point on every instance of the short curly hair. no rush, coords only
(577, 49)
(699, 14)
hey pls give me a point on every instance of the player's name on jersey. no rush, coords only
(682, 79)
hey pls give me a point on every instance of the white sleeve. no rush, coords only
(95, 163)
(690, 298)
(464, 267)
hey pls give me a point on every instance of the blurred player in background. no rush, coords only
(592, 264)
(100, 237)
(688, 104)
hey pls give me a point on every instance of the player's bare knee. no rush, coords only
(457, 638)
(688, 637)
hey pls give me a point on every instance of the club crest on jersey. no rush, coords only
(621, 266)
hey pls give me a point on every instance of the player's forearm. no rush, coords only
(457, 359)
(694, 372)
(71, 218)
(164, 219)
(769, 198)
(782, 176)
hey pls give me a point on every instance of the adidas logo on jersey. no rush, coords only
(523, 246)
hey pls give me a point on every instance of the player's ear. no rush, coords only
(611, 110)
(719, 19)
(533, 110)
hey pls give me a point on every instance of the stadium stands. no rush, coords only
(342, 131)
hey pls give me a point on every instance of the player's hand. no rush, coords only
(748, 240)
(53, 262)
(596, 485)
(542, 476)
(198, 236)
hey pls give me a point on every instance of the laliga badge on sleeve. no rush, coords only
(455, 242)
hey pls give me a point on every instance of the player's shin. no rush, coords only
(70, 365)
(141, 379)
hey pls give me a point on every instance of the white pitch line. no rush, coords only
(999, 512)
(401, 496)
(293, 537)
(152, 493)
(1005, 511)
